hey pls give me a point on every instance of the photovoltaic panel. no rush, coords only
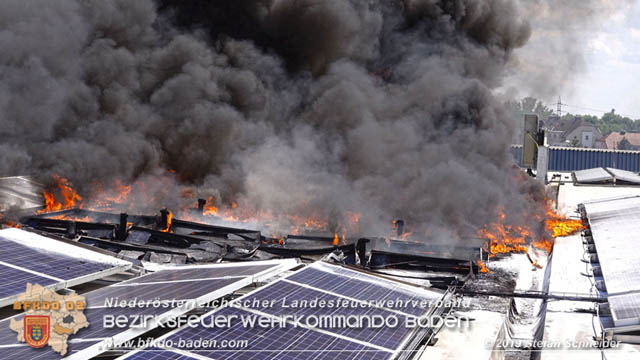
(26, 257)
(282, 296)
(45, 353)
(356, 285)
(151, 354)
(162, 292)
(625, 175)
(95, 317)
(615, 225)
(293, 338)
(203, 273)
(91, 340)
(617, 206)
(595, 175)
(274, 342)
(615, 237)
(625, 308)
(60, 266)
(14, 281)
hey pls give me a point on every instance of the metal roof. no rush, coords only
(573, 159)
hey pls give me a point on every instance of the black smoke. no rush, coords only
(384, 108)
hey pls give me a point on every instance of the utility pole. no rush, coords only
(559, 106)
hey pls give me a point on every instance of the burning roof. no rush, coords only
(198, 132)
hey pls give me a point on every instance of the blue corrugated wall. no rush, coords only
(571, 159)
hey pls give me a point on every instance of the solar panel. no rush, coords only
(45, 353)
(274, 343)
(14, 281)
(285, 294)
(592, 176)
(150, 292)
(60, 266)
(194, 273)
(26, 257)
(158, 355)
(297, 339)
(134, 300)
(625, 309)
(615, 225)
(614, 231)
(354, 284)
(624, 175)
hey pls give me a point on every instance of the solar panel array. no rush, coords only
(176, 290)
(30, 258)
(615, 227)
(352, 292)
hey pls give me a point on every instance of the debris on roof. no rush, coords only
(192, 258)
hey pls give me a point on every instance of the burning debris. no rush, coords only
(482, 267)
(190, 228)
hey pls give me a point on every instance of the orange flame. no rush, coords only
(169, 218)
(406, 235)
(72, 218)
(505, 238)
(336, 239)
(509, 238)
(210, 208)
(50, 202)
(122, 192)
(558, 226)
(70, 196)
(482, 267)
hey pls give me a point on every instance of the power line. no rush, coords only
(559, 105)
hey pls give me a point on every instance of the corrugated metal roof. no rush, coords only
(573, 159)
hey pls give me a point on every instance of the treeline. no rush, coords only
(607, 123)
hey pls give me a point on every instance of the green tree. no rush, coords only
(624, 144)
(575, 142)
(528, 105)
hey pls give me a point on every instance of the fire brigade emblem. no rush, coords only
(36, 330)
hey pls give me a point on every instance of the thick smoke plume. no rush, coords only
(313, 108)
(554, 57)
